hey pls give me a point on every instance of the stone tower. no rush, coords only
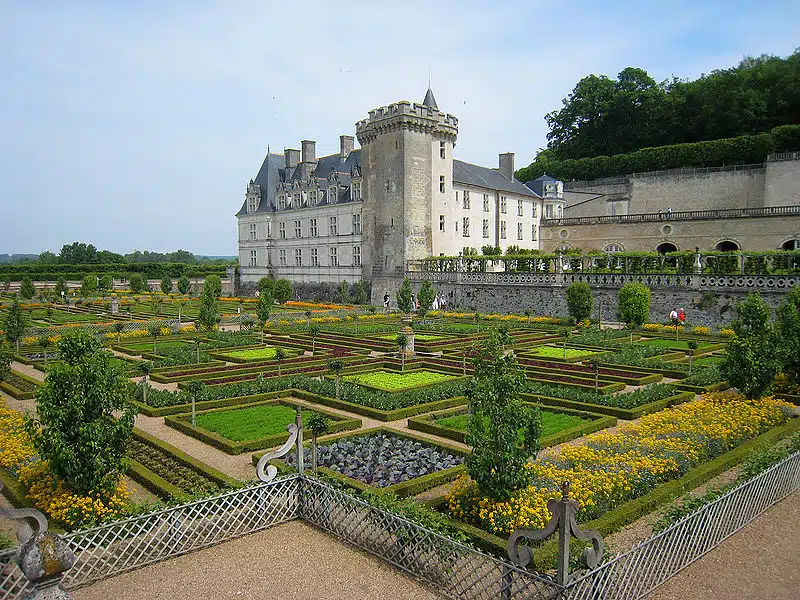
(407, 164)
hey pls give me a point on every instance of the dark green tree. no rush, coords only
(403, 296)
(314, 331)
(634, 304)
(166, 284)
(336, 367)
(105, 283)
(184, 285)
(15, 323)
(753, 356)
(360, 293)
(26, 289)
(83, 417)
(789, 330)
(212, 286)
(426, 296)
(280, 356)
(497, 462)
(89, 285)
(137, 283)
(266, 285)
(579, 301)
(344, 292)
(282, 291)
(402, 343)
(318, 424)
(263, 311)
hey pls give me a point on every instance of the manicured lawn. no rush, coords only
(389, 381)
(259, 353)
(556, 352)
(707, 361)
(250, 423)
(672, 344)
(551, 423)
(148, 346)
(418, 337)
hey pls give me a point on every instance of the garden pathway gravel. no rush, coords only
(291, 561)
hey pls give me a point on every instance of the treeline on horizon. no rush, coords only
(604, 117)
(81, 253)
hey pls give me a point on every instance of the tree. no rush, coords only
(403, 296)
(105, 283)
(504, 337)
(497, 462)
(336, 367)
(154, 329)
(6, 358)
(88, 285)
(137, 283)
(84, 418)
(45, 343)
(753, 356)
(634, 304)
(318, 424)
(344, 292)
(280, 355)
(184, 285)
(789, 330)
(208, 313)
(313, 331)
(426, 296)
(693, 345)
(579, 301)
(26, 289)
(595, 363)
(402, 343)
(360, 292)
(212, 286)
(263, 311)
(145, 367)
(166, 284)
(118, 328)
(49, 314)
(61, 290)
(195, 389)
(282, 291)
(15, 323)
(266, 285)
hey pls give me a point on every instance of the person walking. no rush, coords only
(681, 316)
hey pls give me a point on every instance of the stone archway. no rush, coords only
(727, 246)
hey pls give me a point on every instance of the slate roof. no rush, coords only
(429, 100)
(537, 185)
(467, 173)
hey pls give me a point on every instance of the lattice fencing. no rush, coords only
(125, 545)
(638, 572)
(454, 569)
(13, 583)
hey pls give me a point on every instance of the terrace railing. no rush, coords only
(638, 572)
(456, 570)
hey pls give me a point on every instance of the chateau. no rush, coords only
(363, 213)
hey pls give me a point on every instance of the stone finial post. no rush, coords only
(43, 557)
(562, 521)
(698, 265)
(409, 333)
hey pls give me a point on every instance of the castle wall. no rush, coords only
(783, 181)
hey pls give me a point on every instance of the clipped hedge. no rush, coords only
(153, 482)
(746, 149)
(15, 392)
(620, 413)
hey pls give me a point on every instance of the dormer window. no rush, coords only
(297, 200)
(252, 204)
(312, 197)
(356, 192)
(332, 194)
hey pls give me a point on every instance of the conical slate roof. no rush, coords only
(430, 101)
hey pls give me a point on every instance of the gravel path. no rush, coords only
(290, 561)
(760, 561)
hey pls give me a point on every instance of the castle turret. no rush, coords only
(407, 160)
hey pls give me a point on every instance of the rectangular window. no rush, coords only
(465, 228)
(441, 183)
(441, 222)
(356, 256)
(298, 231)
(456, 197)
(282, 257)
(332, 195)
(252, 231)
(253, 258)
(282, 230)
(519, 231)
(314, 257)
(251, 204)
(533, 231)
(503, 204)
(486, 203)
(356, 192)
(502, 230)
(548, 211)
(313, 228)
(486, 228)
(334, 230)
(441, 149)
(298, 257)
(535, 209)
(520, 207)
(456, 225)
(297, 200)
(466, 199)
(312, 197)
(333, 253)
(357, 224)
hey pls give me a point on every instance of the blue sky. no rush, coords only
(138, 124)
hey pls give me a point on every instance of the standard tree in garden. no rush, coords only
(77, 430)
(213, 286)
(137, 283)
(154, 329)
(145, 367)
(166, 284)
(426, 296)
(280, 355)
(208, 313)
(118, 329)
(403, 296)
(402, 343)
(6, 356)
(184, 285)
(45, 343)
(579, 301)
(313, 331)
(26, 289)
(105, 283)
(88, 286)
(14, 323)
(195, 389)
(336, 367)
(634, 304)
(753, 356)
(61, 290)
(360, 292)
(263, 310)
(497, 462)
(789, 329)
(693, 345)
(318, 424)
(282, 291)
(344, 292)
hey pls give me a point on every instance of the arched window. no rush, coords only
(613, 248)
(666, 247)
(791, 245)
(727, 246)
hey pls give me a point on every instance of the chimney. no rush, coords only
(309, 151)
(291, 157)
(507, 165)
(345, 146)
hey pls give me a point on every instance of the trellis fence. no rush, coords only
(638, 572)
(454, 569)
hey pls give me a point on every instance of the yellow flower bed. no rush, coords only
(609, 469)
(673, 327)
(68, 509)
(652, 327)
(319, 305)
(701, 330)
(726, 332)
